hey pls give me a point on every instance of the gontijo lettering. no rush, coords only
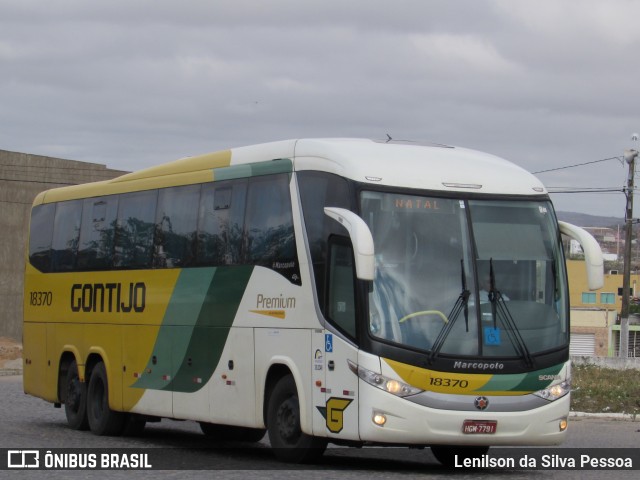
(109, 297)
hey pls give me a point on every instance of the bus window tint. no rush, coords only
(134, 231)
(40, 237)
(97, 233)
(66, 232)
(319, 190)
(341, 299)
(269, 233)
(176, 223)
(220, 223)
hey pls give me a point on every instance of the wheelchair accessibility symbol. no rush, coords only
(492, 336)
(328, 342)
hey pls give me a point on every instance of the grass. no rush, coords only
(603, 390)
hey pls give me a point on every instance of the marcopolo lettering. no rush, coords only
(108, 297)
(479, 365)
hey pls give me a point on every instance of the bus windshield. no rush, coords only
(466, 277)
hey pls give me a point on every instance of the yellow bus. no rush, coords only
(324, 290)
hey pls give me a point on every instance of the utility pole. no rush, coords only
(630, 157)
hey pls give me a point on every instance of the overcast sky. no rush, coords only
(133, 83)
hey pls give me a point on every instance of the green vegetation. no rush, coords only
(603, 390)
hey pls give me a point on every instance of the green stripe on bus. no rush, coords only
(522, 382)
(195, 328)
(281, 165)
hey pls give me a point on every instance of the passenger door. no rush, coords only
(341, 384)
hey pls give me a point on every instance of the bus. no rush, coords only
(344, 291)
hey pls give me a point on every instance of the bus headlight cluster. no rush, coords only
(555, 392)
(382, 382)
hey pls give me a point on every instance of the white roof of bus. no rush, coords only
(397, 164)
(401, 164)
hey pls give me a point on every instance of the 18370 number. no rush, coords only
(40, 299)
(448, 382)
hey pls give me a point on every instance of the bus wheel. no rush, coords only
(75, 399)
(102, 420)
(288, 441)
(446, 454)
(228, 433)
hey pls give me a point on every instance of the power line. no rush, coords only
(578, 165)
(587, 191)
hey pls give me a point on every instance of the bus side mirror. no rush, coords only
(361, 239)
(592, 253)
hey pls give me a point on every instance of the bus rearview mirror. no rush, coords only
(361, 239)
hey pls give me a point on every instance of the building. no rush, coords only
(22, 177)
(595, 328)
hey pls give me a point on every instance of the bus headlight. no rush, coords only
(382, 382)
(555, 392)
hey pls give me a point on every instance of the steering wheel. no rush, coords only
(425, 312)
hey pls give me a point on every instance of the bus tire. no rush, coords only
(75, 399)
(288, 441)
(102, 420)
(446, 454)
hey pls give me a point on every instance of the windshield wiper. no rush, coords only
(461, 305)
(499, 308)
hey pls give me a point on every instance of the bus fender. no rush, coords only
(115, 390)
(73, 350)
(303, 394)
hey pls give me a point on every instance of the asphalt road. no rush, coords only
(30, 423)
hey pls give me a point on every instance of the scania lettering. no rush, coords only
(319, 290)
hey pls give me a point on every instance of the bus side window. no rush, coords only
(135, 229)
(341, 308)
(176, 225)
(41, 235)
(319, 190)
(269, 236)
(220, 222)
(96, 234)
(66, 232)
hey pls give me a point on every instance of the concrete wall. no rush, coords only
(614, 363)
(22, 177)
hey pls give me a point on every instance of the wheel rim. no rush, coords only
(288, 421)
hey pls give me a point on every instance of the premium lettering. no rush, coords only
(275, 302)
(108, 297)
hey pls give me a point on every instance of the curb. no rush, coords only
(611, 416)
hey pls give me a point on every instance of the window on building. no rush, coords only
(608, 298)
(634, 343)
(588, 297)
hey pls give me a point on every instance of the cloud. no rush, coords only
(132, 84)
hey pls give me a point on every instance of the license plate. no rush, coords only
(471, 427)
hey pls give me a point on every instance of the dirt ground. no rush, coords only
(10, 354)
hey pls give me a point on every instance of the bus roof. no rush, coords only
(393, 163)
